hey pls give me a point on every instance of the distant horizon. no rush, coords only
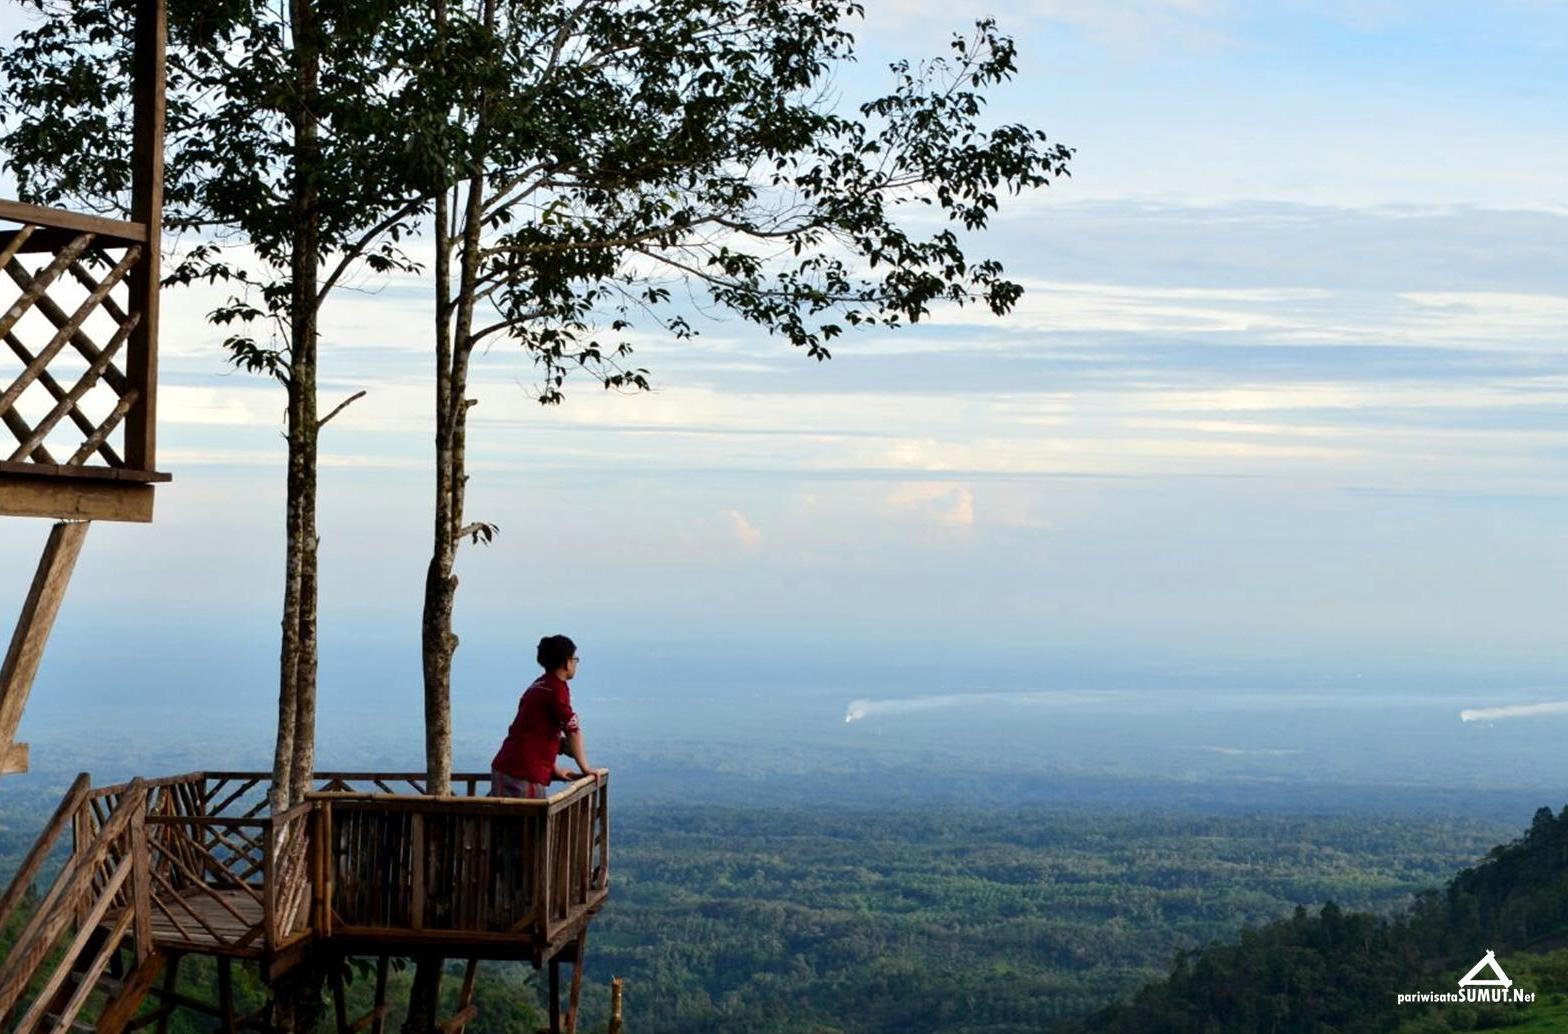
(1283, 407)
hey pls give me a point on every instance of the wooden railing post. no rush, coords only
(416, 852)
(321, 868)
(544, 865)
(269, 881)
(141, 874)
(146, 208)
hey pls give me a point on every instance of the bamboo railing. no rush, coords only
(361, 860)
(491, 872)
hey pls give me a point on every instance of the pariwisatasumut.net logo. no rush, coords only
(1475, 987)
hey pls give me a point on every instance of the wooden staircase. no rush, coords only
(70, 969)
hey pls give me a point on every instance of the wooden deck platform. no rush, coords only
(215, 924)
(368, 864)
(360, 866)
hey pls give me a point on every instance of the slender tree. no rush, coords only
(605, 153)
(288, 167)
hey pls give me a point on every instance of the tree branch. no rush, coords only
(340, 407)
(357, 249)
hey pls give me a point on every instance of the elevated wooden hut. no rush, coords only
(79, 369)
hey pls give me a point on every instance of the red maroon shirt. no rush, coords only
(533, 742)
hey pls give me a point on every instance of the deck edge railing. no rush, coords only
(206, 833)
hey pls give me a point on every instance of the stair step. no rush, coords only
(111, 986)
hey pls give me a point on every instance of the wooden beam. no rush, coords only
(37, 215)
(75, 499)
(37, 618)
(462, 1018)
(466, 1009)
(78, 472)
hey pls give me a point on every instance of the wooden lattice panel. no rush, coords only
(67, 319)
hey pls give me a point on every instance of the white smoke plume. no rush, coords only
(859, 709)
(1251, 752)
(1492, 714)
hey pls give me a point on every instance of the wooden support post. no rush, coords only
(575, 995)
(424, 997)
(379, 1023)
(171, 980)
(32, 632)
(339, 1004)
(615, 1006)
(147, 105)
(555, 994)
(225, 994)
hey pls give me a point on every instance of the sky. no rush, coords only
(1282, 406)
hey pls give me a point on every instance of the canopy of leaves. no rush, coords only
(649, 158)
(234, 93)
(642, 160)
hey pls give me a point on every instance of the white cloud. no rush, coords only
(942, 504)
(232, 406)
(744, 531)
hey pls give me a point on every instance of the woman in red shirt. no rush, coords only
(545, 728)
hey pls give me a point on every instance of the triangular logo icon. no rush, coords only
(1488, 961)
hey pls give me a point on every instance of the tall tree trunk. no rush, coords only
(454, 343)
(288, 660)
(297, 997)
(303, 764)
(438, 642)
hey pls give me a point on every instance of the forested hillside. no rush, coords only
(975, 921)
(1340, 971)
